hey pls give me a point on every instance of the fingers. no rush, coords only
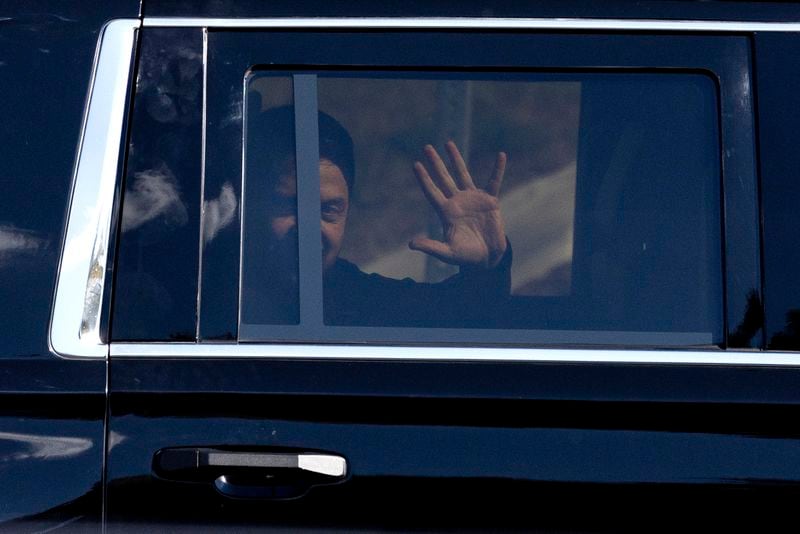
(432, 193)
(493, 187)
(462, 174)
(437, 249)
(442, 185)
(440, 173)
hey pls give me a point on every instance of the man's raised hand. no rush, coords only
(472, 225)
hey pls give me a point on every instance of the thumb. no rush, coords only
(437, 249)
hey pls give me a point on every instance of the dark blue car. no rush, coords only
(419, 267)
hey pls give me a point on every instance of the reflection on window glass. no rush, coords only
(156, 300)
(581, 203)
(270, 217)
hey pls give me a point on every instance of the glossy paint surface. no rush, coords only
(408, 430)
(474, 455)
(463, 439)
(593, 382)
(51, 451)
(46, 48)
(51, 421)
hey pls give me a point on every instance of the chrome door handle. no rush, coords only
(251, 474)
(322, 464)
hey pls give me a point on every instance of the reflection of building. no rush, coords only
(539, 217)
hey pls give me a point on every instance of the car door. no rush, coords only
(53, 407)
(624, 354)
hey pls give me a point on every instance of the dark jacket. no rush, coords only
(472, 298)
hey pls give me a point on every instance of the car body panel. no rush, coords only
(434, 438)
(52, 418)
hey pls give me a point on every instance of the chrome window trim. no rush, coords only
(434, 23)
(383, 352)
(75, 322)
(88, 227)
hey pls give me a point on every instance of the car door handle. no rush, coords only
(322, 464)
(250, 474)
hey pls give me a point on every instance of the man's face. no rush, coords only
(334, 203)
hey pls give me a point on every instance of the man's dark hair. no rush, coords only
(271, 137)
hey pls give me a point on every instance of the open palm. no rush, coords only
(472, 225)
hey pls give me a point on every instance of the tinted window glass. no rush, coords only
(155, 296)
(778, 85)
(561, 208)
(270, 236)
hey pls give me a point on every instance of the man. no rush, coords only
(473, 237)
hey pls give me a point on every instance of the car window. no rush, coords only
(532, 190)
(158, 254)
(484, 207)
